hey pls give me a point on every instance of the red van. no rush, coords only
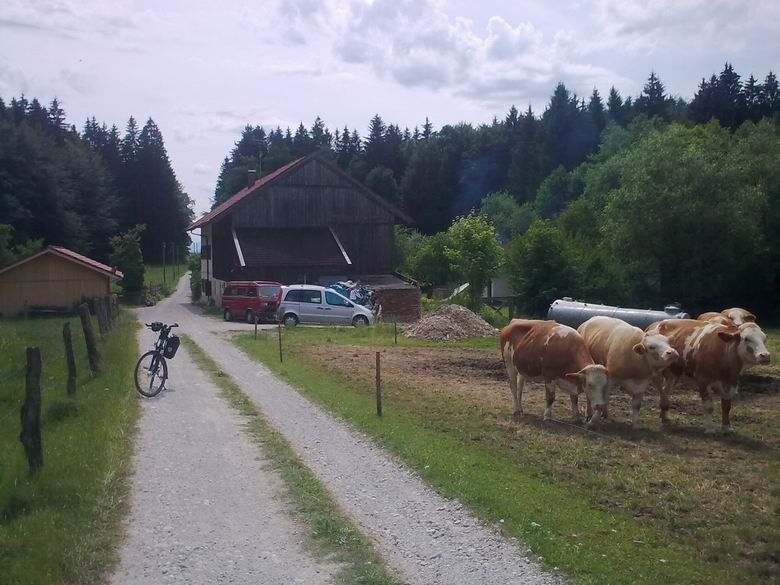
(246, 298)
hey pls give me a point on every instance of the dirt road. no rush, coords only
(204, 509)
(425, 538)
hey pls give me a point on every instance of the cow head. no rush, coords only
(656, 350)
(739, 316)
(592, 380)
(751, 343)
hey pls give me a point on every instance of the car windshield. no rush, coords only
(269, 291)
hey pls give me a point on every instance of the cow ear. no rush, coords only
(575, 377)
(728, 335)
(639, 348)
(750, 317)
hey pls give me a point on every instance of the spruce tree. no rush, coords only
(427, 130)
(770, 96)
(751, 94)
(375, 143)
(652, 101)
(615, 107)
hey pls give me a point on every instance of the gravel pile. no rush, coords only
(450, 323)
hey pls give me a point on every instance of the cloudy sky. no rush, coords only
(204, 69)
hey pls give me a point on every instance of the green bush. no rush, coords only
(128, 258)
(492, 316)
(193, 263)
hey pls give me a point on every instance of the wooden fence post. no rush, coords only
(255, 315)
(106, 316)
(378, 386)
(89, 337)
(115, 306)
(70, 358)
(280, 343)
(107, 311)
(99, 314)
(30, 436)
(395, 331)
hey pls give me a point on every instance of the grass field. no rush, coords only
(61, 526)
(651, 506)
(153, 276)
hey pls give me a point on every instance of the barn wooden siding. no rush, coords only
(310, 196)
(49, 280)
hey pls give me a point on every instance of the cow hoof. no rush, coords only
(710, 431)
(726, 430)
(666, 422)
(636, 427)
(518, 414)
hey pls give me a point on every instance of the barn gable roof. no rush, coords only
(269, 178)
(71, 256)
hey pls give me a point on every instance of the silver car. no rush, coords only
(306, 303)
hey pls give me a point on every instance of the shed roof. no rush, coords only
(269, 178)
(71, 256)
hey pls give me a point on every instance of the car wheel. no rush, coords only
(250, 317)
(360, 321)
(228, 315)
(290, 320)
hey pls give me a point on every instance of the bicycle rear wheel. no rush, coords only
(151, 371)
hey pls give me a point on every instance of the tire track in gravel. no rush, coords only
(205, 508)
(426, 538)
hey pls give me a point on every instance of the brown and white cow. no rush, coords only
(713, 356)
(556, 354)
(633, 358)
(714, 317)
(733, 316)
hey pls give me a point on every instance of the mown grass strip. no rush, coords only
(331, 534)
(557, 520)
(63, 525)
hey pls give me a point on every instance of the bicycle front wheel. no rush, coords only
(151, 371)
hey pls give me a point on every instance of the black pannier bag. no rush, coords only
(171, 347)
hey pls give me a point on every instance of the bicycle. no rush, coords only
(151, 367)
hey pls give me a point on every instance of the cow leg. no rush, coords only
(607, 391)
(515, 380)
(665, 384)
(549, 394)
(636, 389)
(575, 408)
(725, 409)
(636, 405)
(706, 400)
(518, 397)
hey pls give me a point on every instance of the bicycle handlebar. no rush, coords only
(150, 325)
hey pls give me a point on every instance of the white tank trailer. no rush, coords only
(574, 313)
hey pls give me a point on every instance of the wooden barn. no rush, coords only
(307, 222)
(53, 279)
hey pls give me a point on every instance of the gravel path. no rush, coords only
(204, 507)
(424, 537)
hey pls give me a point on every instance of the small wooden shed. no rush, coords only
(52, 279)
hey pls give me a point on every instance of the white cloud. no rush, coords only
(78, 82)
(70, 19)
(644, 27)
(418, 44)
